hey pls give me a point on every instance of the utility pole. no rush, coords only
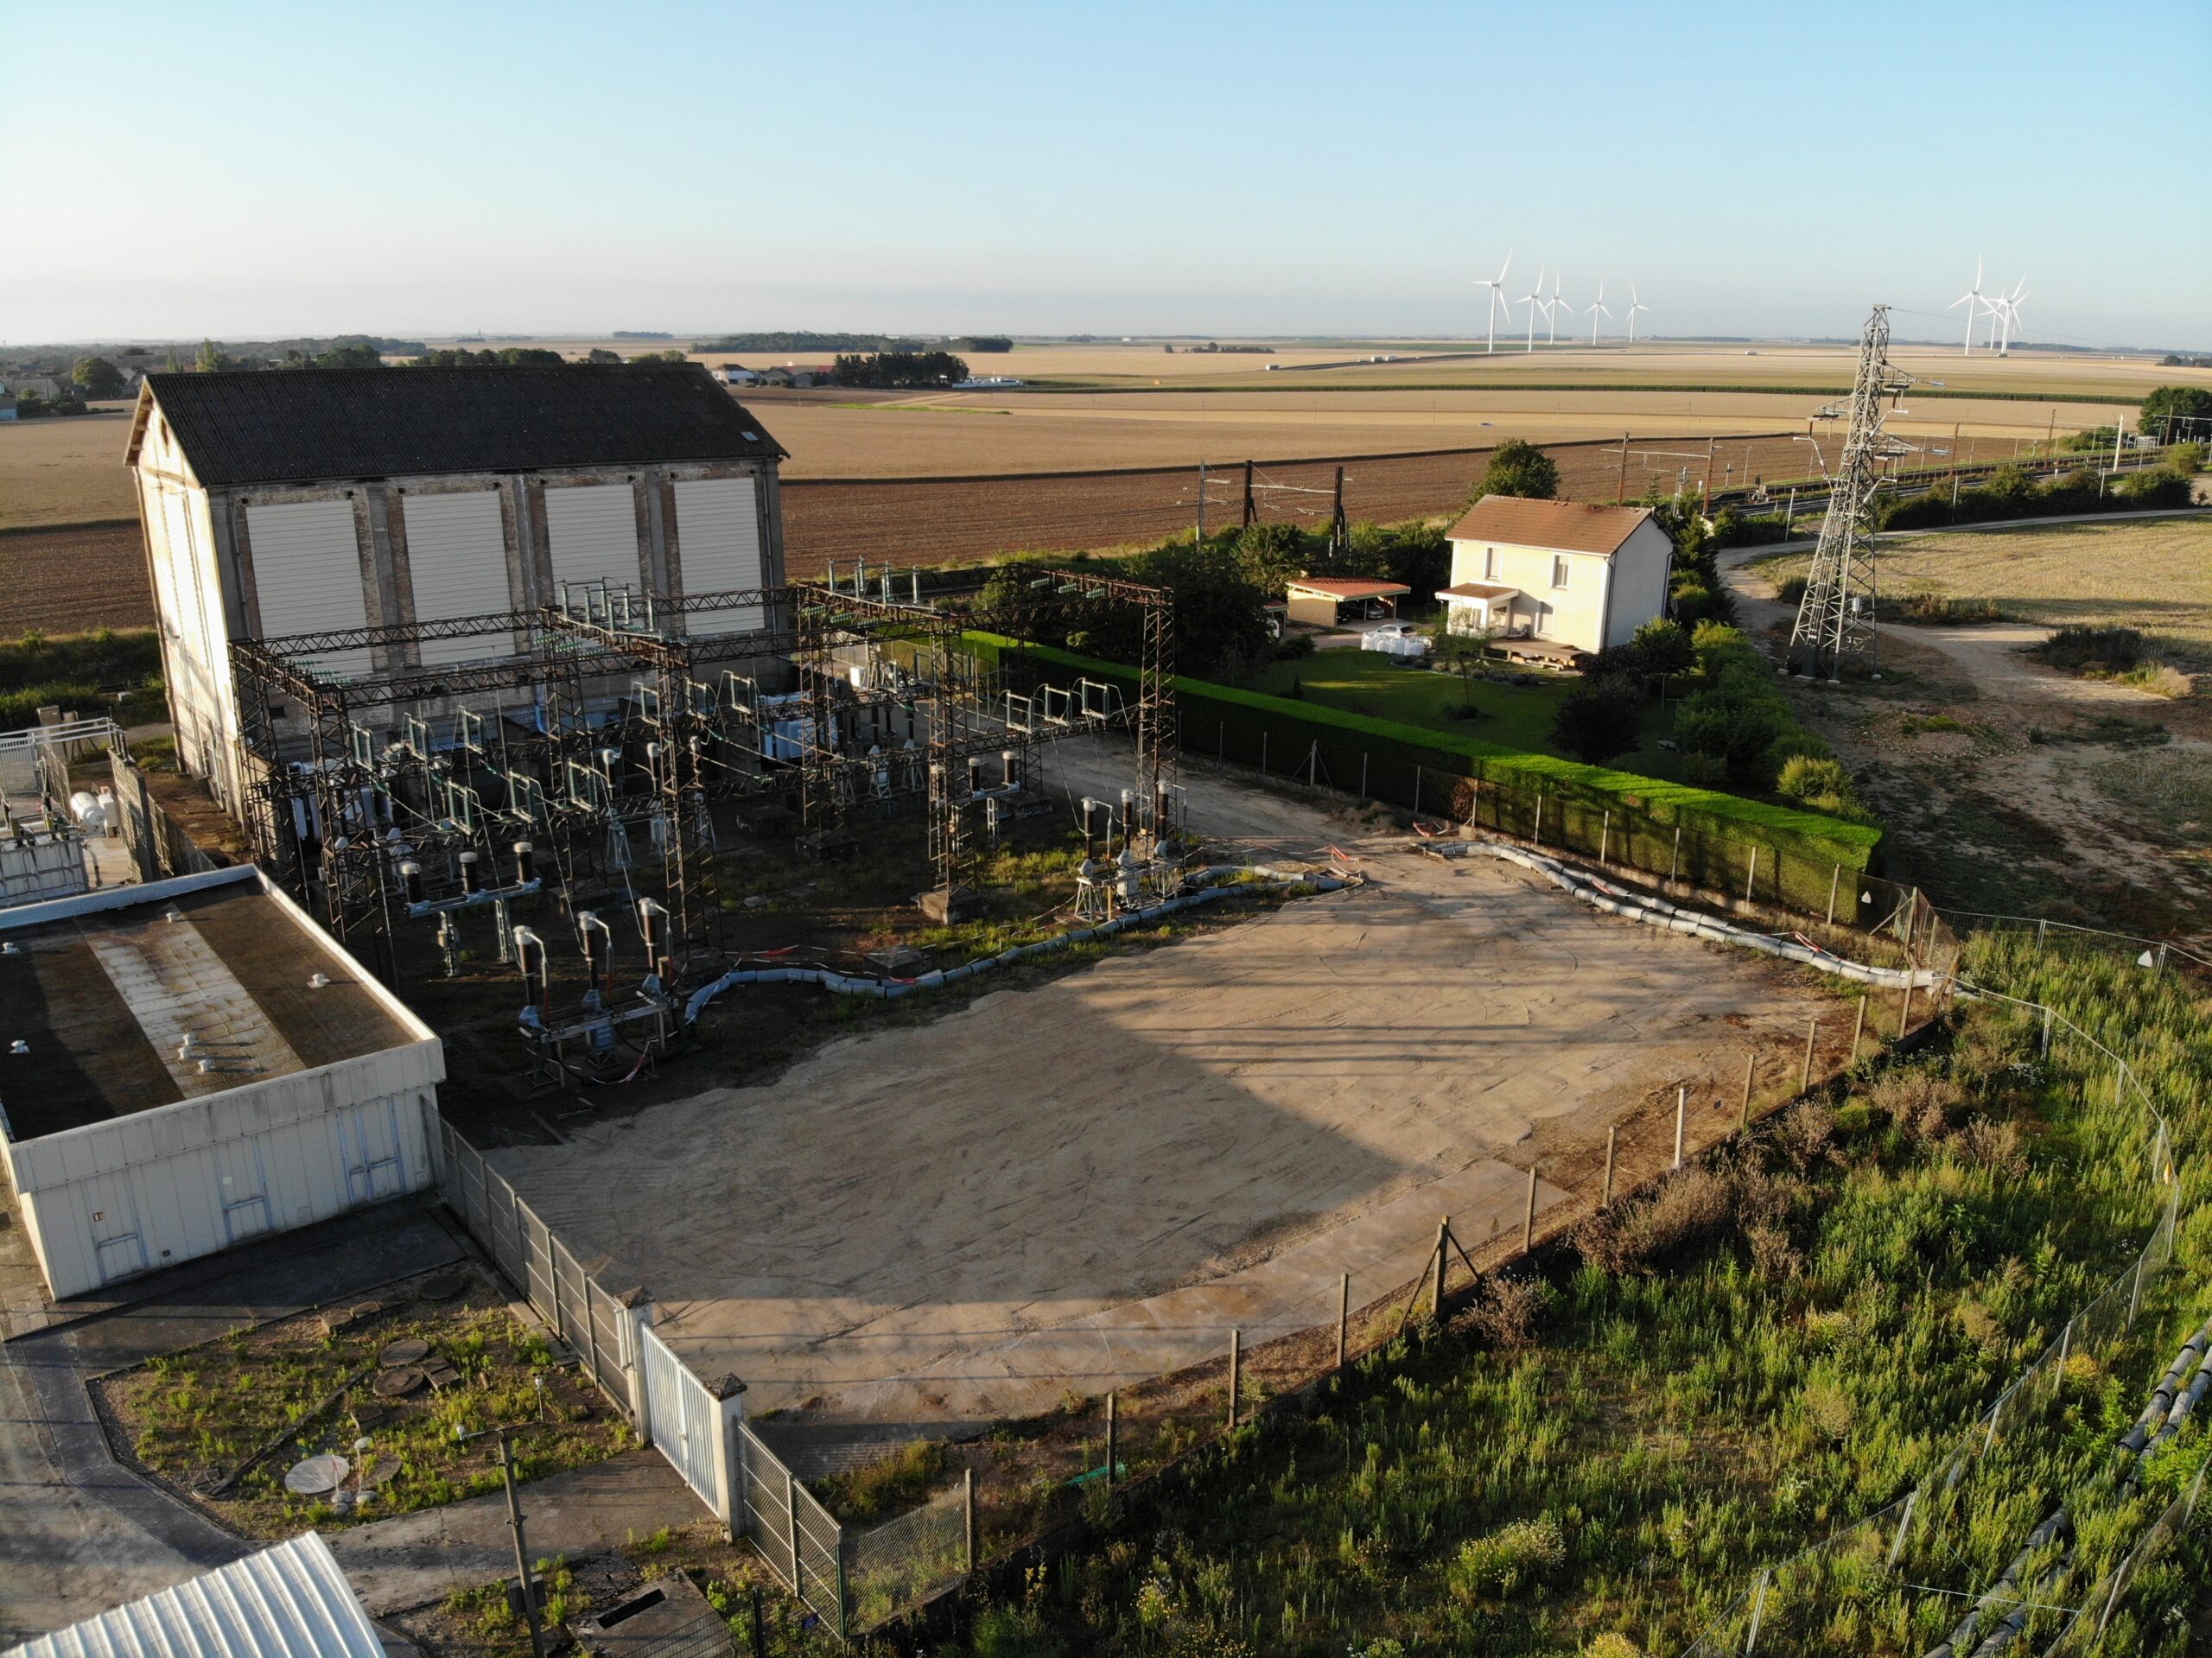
(1202, 506)
(1248, 495)
(514, 1521)
(1620, 495)
(1835, 619)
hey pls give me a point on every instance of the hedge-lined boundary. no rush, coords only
(1716, 840)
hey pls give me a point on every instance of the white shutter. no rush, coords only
(592, 530)
(307, 574)
(457, 556)
(718, 544)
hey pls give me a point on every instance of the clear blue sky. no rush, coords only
(251, 170)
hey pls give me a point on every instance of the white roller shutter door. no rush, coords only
(592, 530)
(307, 574)
(718, 544)
(457, 556)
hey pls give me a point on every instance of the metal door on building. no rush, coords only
(245, 1189)
(112, 1209)
(680, 1416)
(369, 1135)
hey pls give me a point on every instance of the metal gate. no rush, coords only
(680, 1415)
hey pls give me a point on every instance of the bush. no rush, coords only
(1664, 646)
(2160, 486)
(1515, 1556)
(1296, 648)
(2098, 652)
(1599, 719)
(2186, 458)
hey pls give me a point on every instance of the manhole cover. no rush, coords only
(381, 1470)
(316, 1475)
(397, 1384)
(441, 1286)
(404, 1352)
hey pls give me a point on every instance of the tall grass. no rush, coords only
(1749, 1362)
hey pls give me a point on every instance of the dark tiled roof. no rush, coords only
(299, 425)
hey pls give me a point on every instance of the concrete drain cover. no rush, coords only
(397, 1384)
(441, 1286)
(409, 1351)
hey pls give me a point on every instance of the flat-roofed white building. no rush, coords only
(191, 1063)
(1573, 575)
(318, 500)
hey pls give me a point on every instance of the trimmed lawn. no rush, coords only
(1515, 716)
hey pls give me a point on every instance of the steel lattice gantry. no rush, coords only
(1835, 624)
(326, 804)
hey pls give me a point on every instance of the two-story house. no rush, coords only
(1569, 573)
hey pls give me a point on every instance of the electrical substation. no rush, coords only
(565, 804)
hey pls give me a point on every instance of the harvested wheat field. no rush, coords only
(2154, 575)
(66, 469)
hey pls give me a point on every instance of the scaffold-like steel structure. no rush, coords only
(1834, 628)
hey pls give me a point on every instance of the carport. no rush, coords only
(1328, 601)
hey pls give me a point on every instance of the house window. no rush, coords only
(1558, 570)
(1490, 564)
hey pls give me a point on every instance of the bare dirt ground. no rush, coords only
(1072, 1187)
(2011, 788)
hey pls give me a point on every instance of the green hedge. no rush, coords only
(1633, 820)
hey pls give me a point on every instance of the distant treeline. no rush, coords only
(899, 368)
(987, 345)
(808, 342)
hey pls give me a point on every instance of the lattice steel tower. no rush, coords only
(1835, 619)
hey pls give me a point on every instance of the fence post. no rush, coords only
(1751, 880)
(1675, 862)
(2120, 1082)
(1235, 1358)
(1750, 1071)
(1539, 836)
(1758, 1610)
(967, 1495)
(1835, 879)
(1612, 1134)
(1811, 1035)
(1113, 1457)
(2046, 1033)
(1858, 1029)
(791, 1525)
(1416, 790)
(1344, 1316)
(1528, 1220)
(2135, 1291)
(1681, 1116)
(1904, 1525)
(1905, 1010)
(1363, 774)
(639, 1303)
(730, 1432)
(1442, 1248)
(1605, 836)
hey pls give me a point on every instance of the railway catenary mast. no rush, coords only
(1835, 619)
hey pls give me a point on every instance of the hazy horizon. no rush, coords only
(1236, 172)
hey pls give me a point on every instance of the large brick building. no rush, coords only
(289, 502)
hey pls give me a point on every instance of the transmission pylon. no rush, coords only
(1835, 619)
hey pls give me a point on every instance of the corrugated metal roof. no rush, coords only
(287, 1602)
(310, 425)
(1330, 587)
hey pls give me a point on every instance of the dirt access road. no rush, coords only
(1082, 1185)
(2010, 788)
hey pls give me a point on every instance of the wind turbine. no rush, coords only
(1497, 298)
(1971, 299)
(1551, 313)
(1596, 308)
(1532, 300)
(2008, 307)
(1636, 304)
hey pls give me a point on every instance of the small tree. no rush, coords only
(211, 358)
(1599, 719)
(601, 354)
(98, 377)
(1519, 468)
(1664, 647)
